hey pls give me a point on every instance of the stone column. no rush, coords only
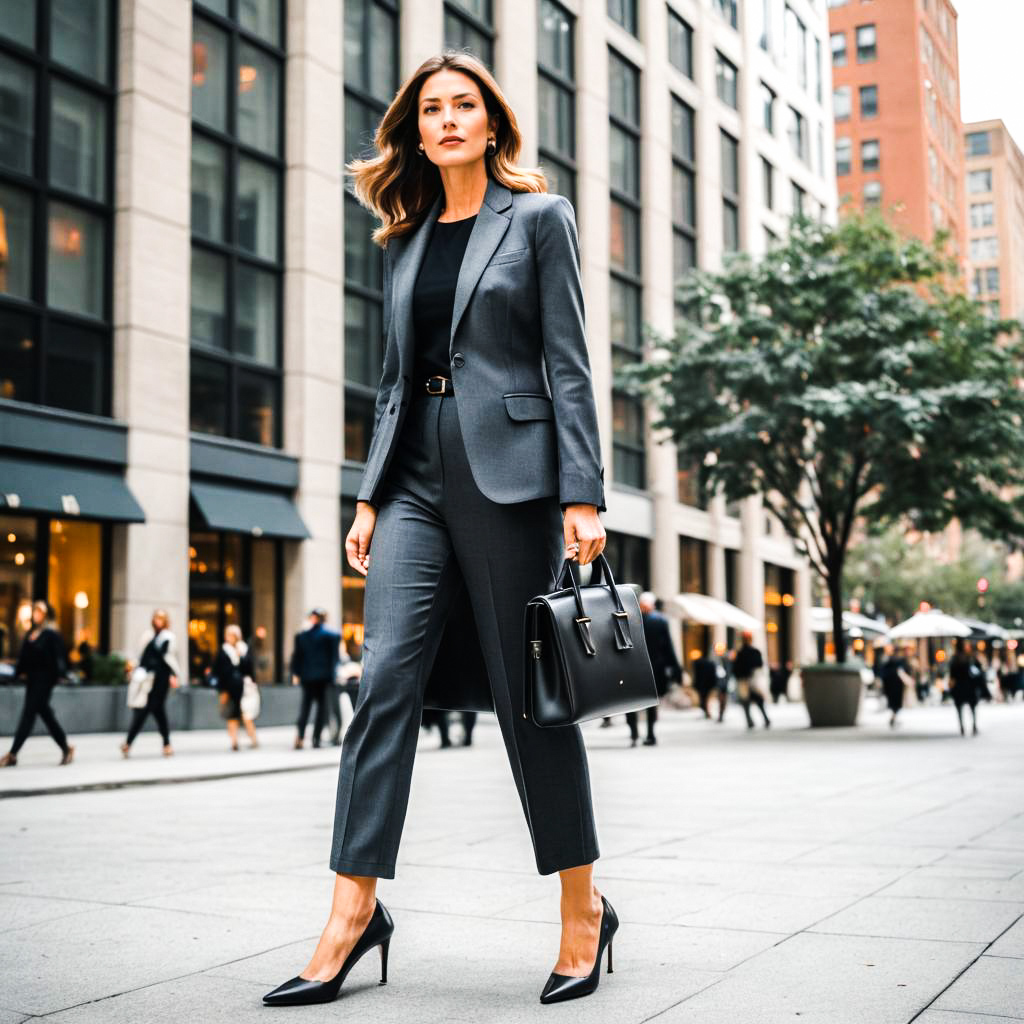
(151, 313)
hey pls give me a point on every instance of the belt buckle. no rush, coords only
(443, 388)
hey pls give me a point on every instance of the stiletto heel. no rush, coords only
(301, 991)
(564, 986)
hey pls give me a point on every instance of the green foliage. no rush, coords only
(107, 670)
(844, 379)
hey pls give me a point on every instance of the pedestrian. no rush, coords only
(314, 666)
(471, 504)
(778, 680)
(42, 662)
(965, 678)
(159, 660)
(705, 677)
(233, 671)
(747, 662)
(664, 662)
(896, 677)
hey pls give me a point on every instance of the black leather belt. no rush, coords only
(438, 385)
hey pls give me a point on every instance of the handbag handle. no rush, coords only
(623, 639)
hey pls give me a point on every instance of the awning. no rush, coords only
(712, 611)
(246, 510)
(72, 492)
(854, 623)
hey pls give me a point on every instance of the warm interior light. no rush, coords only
(11, 538)
(788, 600)
(940, 655)
(200, 61)
(247, 76)
(19, 558)
(81, 600)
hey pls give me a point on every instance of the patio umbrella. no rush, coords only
(985, 630)
(712, 611)
(928, 624)
(821, 622)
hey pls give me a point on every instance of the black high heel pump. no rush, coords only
(302, 991)
(565, 986)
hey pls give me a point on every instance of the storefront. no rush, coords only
(779, 600)
(693, 577)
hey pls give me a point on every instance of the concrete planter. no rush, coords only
(84, 709)
(832, 694)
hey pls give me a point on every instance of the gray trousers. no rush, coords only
(434, 528)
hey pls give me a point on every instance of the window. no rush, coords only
(867, 49)
(556, 88)
(799, 200)
(796, 46)
(979, 144)
(623, 12)
(868, 102)
(725, 81)
(370, 81)
(727, 9)
(844, 156)
(979, 181)
(57, 116)
(468, 25)
(842, 102)
(872, 193)
(626, 280)
(768, 109)
(680, 43)
(933, 165)
(796, 130)
(730, 192)
(237, 203)
(985, 249)
(982, 215)
(690, 486)
(985, 280)
(684, 196)
(992, 309)
(768, 183)
(838, 40)
(693, 579)
(869, 155)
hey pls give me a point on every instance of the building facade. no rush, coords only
(896, 98)
(191, 306)
(995, 224)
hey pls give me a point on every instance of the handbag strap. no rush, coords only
(603, 577)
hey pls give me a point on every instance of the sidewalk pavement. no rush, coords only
(838, 876)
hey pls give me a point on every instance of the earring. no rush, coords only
(422, 151)
(491, 146)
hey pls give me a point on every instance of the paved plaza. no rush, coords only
(832, 876)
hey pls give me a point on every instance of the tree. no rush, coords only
(846, 379)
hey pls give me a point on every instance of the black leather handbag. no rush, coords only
(585, 651)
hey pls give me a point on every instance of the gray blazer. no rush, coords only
(518, 353)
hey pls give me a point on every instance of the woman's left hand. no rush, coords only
(584, 533)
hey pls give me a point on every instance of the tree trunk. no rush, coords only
(835, 590)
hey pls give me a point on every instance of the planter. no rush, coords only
(832, 694)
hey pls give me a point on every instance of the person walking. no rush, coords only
(896, 677)
(484, 473)
(747, 662)
(315, 657)
(966, 677)
(664, 662)
(705, 677)
(42, 662)
(160, 658)
(233, 670)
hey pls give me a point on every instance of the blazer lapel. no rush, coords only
(488, 230)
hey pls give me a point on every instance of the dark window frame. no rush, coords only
(566, 162)
(687, 164)
(36, 184)
(629, 14)
(229, 250)
(677, 21)
(484, 27)
(731, 204)
(722, 63)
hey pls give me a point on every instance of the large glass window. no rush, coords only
(726, 81)
(628, 432)
(468, 25)
(680, 43)
(983, 215)
(693, 578)
(684, 195)
(867, 44)
(371, 79)
(727, 9)
(979, 181)
(979, 144)
(730, 153)
(556, 96)
(630, 558)
(796, 130)
(779, 601)
(623, 12)
(237, 217)
(768, 108)
(56, 202)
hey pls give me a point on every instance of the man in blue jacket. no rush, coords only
(314, 663)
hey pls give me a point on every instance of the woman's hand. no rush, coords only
(584, 533)
(174, 682)
(357, 543)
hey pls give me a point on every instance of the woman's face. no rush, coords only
(38, 614)
(159, 621)
(450, 104)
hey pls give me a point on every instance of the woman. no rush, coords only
(483, 474)
(231, 668)
(965, 677)
(42, 662)
(159, 656)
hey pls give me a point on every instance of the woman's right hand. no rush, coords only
(357, 543)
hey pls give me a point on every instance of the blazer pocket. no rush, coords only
(529, 407)
(509, 256)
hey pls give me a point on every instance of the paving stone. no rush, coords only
(1010, 943)
(993, 985)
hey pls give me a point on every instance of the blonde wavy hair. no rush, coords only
(399, 184)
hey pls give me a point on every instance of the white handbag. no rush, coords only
(139, 685)
(250, 702)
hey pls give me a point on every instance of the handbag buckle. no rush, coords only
(535, 649)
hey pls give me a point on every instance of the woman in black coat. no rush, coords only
(42, 661)
(159, 657)
(232, 666)
(966, 676)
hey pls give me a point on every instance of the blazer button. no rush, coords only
(457, 359)
(391, 411)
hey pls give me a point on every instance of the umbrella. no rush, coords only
(928, 624)
(821, 622)
(712, 611)
(985, 630)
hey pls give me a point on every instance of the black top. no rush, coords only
(231, 677)
(152, 660)
(41, 660)
(433, 297)
(748, 658)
